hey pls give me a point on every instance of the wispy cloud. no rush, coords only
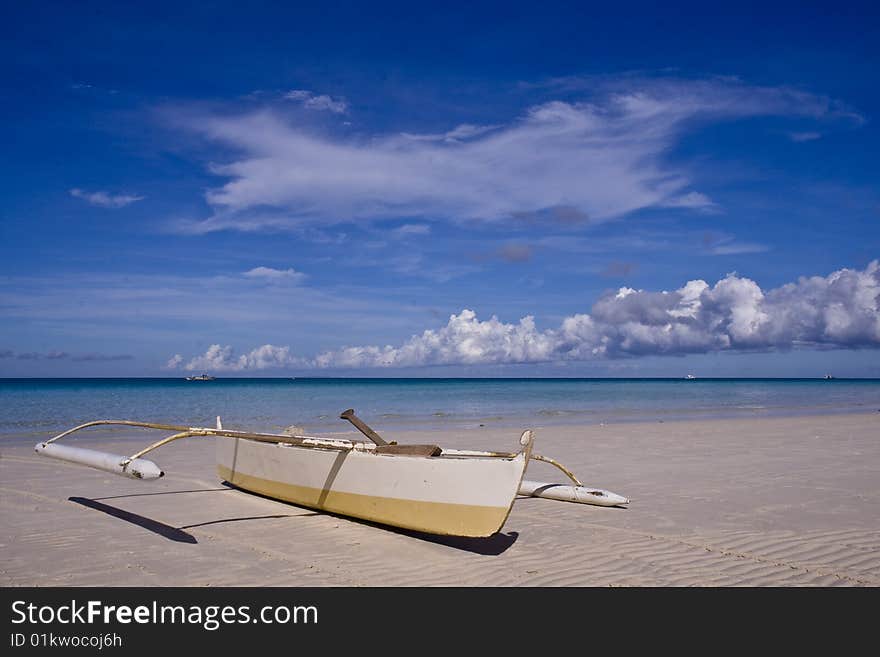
(735, 314)
(804, 136)
(269, 274)
(692, 200)
(724, 244)
(63, 355)
(105, 199)
(93, 357)
(563, 215)
(158, 308)
(738, 248)
(459, 133)
(320, 102)
(601, 158)
(411, 230)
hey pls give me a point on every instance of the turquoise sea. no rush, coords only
(44, 406)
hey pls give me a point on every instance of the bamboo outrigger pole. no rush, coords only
(136, 467)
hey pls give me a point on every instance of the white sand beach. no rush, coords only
(791, 501)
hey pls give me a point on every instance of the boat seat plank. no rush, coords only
(409, 450)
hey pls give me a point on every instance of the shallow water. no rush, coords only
(43, 406)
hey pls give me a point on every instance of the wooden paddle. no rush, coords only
(362, 426)
(392, 447)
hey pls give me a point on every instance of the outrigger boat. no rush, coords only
(425, 488)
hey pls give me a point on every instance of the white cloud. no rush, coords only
(840, 310)
(408, 230)
(269, 274)
(105, 199)
(726, 244)
(464, 340)
(602, 159)
(693, 200)
(459, 133)
(737, 248)
(320, 102)
(327, 103)
(298, 94)
(223, 359)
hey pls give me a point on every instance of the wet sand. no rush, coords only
(745, 502)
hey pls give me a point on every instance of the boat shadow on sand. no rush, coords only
(491, 546)
(176, 534)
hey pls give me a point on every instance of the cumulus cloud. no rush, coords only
(600, 158)
(840, 310)
(269, 274)
(6, 353)
(224, 359)
(320, 102)
(105, 199)
(464, 340)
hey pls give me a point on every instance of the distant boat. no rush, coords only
(827, 377)
(690, 376)
(200, 377)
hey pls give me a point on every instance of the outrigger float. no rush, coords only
(426, 488)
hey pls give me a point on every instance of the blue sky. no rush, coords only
(379, 189)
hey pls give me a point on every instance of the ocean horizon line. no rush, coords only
(444, 378)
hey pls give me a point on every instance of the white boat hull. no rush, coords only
(448, 495)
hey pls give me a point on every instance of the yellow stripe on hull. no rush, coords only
(432, 517)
